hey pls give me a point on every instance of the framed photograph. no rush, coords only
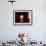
(22, 17)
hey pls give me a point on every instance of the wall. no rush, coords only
(38, 29)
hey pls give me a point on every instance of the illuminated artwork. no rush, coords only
(22, 17)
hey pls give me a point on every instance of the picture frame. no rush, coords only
(22, 17)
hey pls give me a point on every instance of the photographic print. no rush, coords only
(22, 17)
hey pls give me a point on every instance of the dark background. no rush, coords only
(17, 17)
